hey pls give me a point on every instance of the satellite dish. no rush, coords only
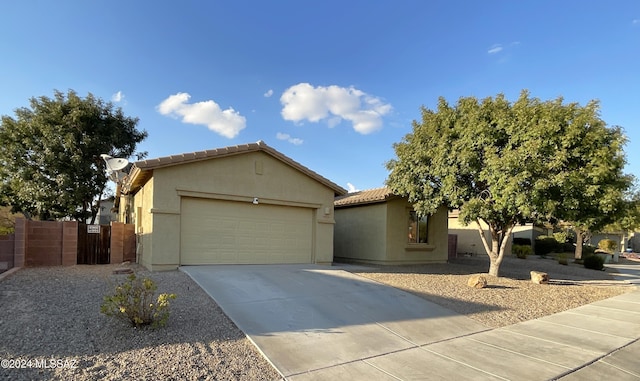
(115, 165)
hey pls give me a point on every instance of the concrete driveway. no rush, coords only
(306, 318)
(324, 323)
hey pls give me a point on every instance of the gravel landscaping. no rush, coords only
(508, 299)
(55, 313)
(52, 316)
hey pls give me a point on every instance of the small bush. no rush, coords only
(608, 245)
(521, 251)
(594, 262)
(522, 241)
(545, 245)
(133, 302)
(562, 259)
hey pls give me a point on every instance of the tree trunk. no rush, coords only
(579, 241)
(499, 241)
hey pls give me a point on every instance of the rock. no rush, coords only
(538, 277)
(477, 281)
(123, 270)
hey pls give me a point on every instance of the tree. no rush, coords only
(50, 164)
(499, 162)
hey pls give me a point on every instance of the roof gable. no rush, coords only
(142, 170)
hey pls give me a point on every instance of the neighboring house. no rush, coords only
(378, 227)
(105, 214)
(246, 204)
(469, 241)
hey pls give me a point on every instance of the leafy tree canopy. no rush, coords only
(50, 164)
(507, 163)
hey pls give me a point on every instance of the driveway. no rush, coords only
(324, 323)
(307, 318)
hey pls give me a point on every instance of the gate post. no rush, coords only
(20, 246)
(117, 242)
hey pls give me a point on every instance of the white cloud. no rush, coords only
(268, 94)
(351, 188)
(287, 137)
(495, 49)
(333, 103)
(227, 123)
(117, 97)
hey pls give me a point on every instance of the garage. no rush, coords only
(245, 204)
(229, 232)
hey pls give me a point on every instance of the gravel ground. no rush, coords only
(509, 299)
(53, 314)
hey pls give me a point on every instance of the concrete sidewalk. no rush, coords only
(324, 323)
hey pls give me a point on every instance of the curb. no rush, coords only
(8, 273)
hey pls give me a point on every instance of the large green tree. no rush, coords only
(50, 164)
(502, 163)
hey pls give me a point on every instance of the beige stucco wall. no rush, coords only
(360, 233)
(377, 233)
(238, 178)
(469, 241)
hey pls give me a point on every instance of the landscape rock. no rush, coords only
(538, 277)
(477, 281)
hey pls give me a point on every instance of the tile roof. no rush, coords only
(142, 170)
(369, 196)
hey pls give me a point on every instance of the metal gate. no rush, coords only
(94, 244)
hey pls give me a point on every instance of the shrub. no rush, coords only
(562, 259)
(522, 241)
(594, 262)
(133, 302)
(545, 245)
(608, 245)
(521, 251)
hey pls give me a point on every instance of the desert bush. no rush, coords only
(562, 259)
(521, 251)
(522, 241)
(608, 245)
(133, 301)
(545, 245)
(594, 262)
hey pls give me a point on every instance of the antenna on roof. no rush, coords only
(115, 165)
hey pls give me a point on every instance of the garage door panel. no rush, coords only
(226, 232)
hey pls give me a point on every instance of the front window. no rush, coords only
(417, 228)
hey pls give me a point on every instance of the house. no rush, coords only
(246, 204)
(375, 226)
(469, 241)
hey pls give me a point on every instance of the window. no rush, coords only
(417, 228)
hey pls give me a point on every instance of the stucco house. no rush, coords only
(375, 226)
(246, 204)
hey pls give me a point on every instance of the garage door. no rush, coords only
(228, 232)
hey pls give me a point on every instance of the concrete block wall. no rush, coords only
(7, 244)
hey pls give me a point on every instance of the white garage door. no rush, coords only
(228, 232)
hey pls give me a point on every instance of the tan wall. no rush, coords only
(402, 252)
(143, 221)
(377, 233)
(360, 233)
(469, 241)
(238, 178)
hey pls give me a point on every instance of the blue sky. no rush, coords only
(331, 84)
